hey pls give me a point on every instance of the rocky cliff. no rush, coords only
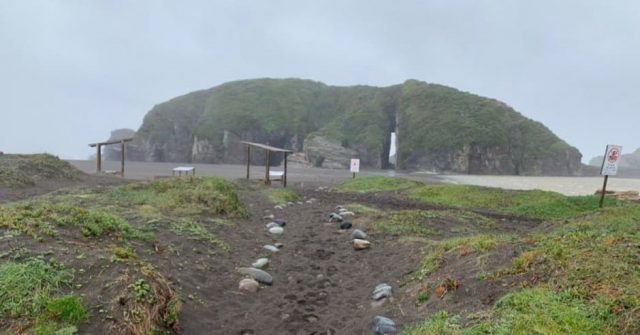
(438, 128)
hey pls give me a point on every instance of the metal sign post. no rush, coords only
(609, 166)
(355, 166)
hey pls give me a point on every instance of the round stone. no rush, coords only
(383, 326)
(381, 291)
(359, 244)
(271, 248)
(260, 263)
(357, 233)
(335, 217)
(249, 285)
(257, 274)
(278, 245)
(345, 225)
(276, 230)
(279, 222)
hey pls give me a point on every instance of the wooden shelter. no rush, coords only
(268, 150)
(99, 153)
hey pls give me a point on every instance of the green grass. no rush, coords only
(533, 204)
(594, 258)
(39, 219)
(536, 311)
(440, 323)
(29, 295)
(429, 223)
(281, 195)
(197, 231)
(589, 279)
(375, 184)
(179, 196)
(437, 249)
(68, 309)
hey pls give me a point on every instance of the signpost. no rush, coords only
(355, 166)
(609, 166)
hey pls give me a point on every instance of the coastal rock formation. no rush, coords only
(112, 152)
(324, 152)
(437, 128)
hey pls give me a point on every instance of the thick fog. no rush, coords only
(71, 71)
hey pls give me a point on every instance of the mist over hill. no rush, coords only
(628, 161)
(438, 128)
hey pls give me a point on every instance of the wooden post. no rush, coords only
(284, 178)
(354, 176)
(604, 190)
(122, 159)
(248, 159)
(99, 158)
(268, 165)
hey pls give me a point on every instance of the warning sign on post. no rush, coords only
(355, 165)
(611, 160)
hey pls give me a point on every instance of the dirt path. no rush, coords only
(321, 284)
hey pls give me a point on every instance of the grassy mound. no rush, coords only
(589, 280)
(109, 238)
(207, 195)
(530, 311)
(281, 195)
(39, 219)
(18, 171)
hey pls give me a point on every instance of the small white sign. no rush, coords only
(355, 165)
(611, 160)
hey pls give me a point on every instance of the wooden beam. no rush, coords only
(284, 180)
(99, 158)
(248, 159)
(111, 142)
(268, 165)
(604, 190)
(122, 159)
(266, 147)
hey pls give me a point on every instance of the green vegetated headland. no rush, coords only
(438, 128)
(574, 270)
(91, 258)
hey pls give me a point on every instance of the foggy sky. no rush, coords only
(71, 71)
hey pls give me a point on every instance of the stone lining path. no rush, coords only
(324, 281)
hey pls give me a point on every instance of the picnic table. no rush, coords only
(185, 169)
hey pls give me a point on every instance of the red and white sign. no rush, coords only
(611, 160)
(355, 165)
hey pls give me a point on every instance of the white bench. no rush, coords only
(185, 169)
(276, 176)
